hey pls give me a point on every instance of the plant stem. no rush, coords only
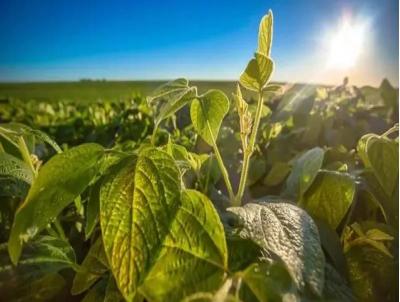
(25, 154)
(224, 172)
(247, 153)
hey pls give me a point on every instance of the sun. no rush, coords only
(345, 44)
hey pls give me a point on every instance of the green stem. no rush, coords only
(224, 172)
(248, 152)
(25, 154)
(153, 136)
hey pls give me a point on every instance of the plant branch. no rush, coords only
(247, 153)
(224, 172)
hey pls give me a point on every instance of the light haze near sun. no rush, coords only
(345, 44)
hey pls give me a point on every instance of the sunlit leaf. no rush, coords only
(58, 183)
(207, 113)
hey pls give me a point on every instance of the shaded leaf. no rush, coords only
(330, 197)
(304, 171)
(288, 232)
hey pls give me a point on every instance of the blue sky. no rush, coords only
(69, 40)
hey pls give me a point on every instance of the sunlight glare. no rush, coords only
(345, 45)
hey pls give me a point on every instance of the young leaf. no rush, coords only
(207, 113)
(171, 87)
(59, 182)
(175, 94)
(265, 35)
(15, 168)
(257, 73)
(288, 232)
(330, 197)
(304, 171)
(143, 217)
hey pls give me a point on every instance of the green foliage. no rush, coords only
(285, 230)
(330, 197)
(292, 196)
(207, 113)
(59, 182)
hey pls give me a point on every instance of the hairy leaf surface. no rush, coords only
(11, 166)
(288, 232)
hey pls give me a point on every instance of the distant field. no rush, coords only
(89, 91)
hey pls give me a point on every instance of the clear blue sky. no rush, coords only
(69, 40)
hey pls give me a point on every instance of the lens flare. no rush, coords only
(345, 44)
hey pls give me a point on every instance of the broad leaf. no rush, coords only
(143, 217)
(59, 182)
(304, 171)
(35, 278)
(265, 34)
(13, 167)
(52, 254)
(287, 231)
(330, 197)
(257, 73)
(207, 113)
(194, 255)
(382, 156)
(277, 174)
(370, 272)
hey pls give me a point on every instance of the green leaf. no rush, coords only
(372, 274)
(48, 253)
(13, 167)
(14, 130)
(157, 241)
(382, 156)
(242, 253)
(336, 288)
(330, 197)
(168, 88)
(265, 34)
(207, 113)
(277, 174)
(257, 73)
(64, 177)
(304, 171)
(92, 268)
(287, 231)
(175, 95)
(267, 282)
(196, 260)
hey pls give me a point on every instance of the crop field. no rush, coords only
(246, 190)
